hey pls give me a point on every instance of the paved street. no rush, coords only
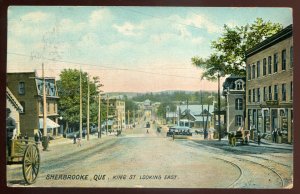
(141, 159)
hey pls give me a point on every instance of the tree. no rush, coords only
(68, 91)
(230, 49)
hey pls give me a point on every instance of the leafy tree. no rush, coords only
(230, 49)
(69, 101)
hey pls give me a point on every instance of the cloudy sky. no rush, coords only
(134, 49)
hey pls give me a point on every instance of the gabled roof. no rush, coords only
(13, 100)
(196, 109)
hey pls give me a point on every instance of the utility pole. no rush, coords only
(107, 103)
(44, 138)
(219, 108)
(88, 110)
(44, 102)
(128, 118)
(99, 116)
(80, 114)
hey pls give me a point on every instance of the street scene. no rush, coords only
(97, 97)
(141, 159)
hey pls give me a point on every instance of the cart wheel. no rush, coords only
(31, 163)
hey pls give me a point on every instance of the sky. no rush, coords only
(131, 49)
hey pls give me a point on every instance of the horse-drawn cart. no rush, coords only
(24, 152)
(241, 136)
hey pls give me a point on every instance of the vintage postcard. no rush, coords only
(149, 97)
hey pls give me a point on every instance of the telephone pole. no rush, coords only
(99, 116)
(107, 103)
(80, 114)
(45, 103)
(88, 110)
(128, 118)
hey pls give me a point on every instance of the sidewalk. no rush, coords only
(61, 140)
(265, 143)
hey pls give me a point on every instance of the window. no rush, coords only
(283, 58)
(275, 62)
(239, 85)
(238, 104)
(258, 94)
(253, 95)
(249, 72)
(264, 66)
(258, 68)
(275, 92)
(238, 120)
(253, 71)
(21, 88)
(48, 107)
(291, 57)
(23, 105)
(291, 91)
(41, 108)
(54, 107)
(283, 90)
(269, 64)
(265, 93)
(249, 95)
(270, 92)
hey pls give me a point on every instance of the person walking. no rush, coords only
(275, 135)
(74, 138)
(10, 129)
(258, 138)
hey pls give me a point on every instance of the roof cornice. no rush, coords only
(282, 35)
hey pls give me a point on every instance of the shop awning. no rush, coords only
(50, 124)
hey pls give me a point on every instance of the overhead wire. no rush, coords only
(106, 67)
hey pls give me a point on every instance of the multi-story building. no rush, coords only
(234, 92)
(118, 112)
(269, 85)
(28, 90)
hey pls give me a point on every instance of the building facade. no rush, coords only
(15, 107)
(28, 90)
(198, 116)
(269, 86)
(234, 92)
(118, 112)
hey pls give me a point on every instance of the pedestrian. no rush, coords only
(258, 138)
(10, 128)
(229, 139)
(275, 135)
(36, 138)
(26, 138)
(74, 138)
(248, 137)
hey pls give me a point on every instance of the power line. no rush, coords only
(106, 67)
(171, 21)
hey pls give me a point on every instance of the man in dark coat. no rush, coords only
(10, 127)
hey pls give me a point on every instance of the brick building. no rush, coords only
(234, 92)
(27, 89)
(269, 85)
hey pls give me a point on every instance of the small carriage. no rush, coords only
(25, 152)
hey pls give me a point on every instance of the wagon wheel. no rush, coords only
(31, 163)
